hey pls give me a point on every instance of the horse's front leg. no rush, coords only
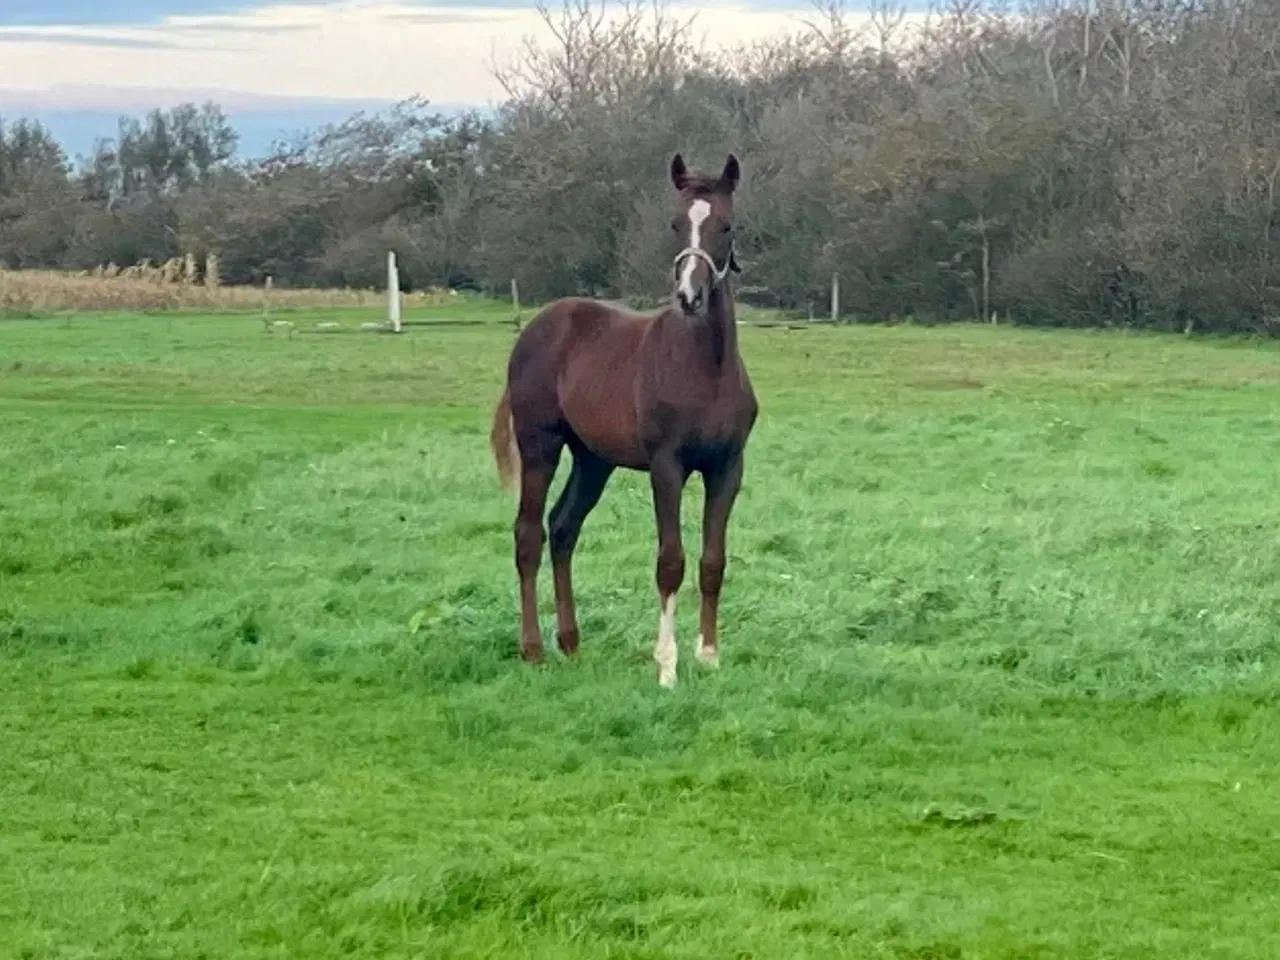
(722, 487)
(667, 476)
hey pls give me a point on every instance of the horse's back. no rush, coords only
(576, 364)
(583, 317)
(573, 329)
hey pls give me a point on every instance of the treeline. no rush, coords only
(1112, 162)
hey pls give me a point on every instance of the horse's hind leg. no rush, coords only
(539, 455)
(579, 497)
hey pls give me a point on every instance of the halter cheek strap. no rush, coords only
(717, 273)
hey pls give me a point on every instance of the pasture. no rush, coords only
(1000, 658)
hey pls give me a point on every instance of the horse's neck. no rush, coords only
(723, 324)
(712, 341)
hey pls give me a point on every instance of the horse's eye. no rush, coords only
(727, 228)
(675, 225)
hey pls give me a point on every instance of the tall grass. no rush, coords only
(171, 286)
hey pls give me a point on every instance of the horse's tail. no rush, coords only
(502, 439)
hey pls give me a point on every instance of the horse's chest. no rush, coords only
(698, 417)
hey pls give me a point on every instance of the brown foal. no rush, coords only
(666, 394)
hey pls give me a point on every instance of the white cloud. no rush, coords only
(363, 49)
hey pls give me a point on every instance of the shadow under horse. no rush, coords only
(667, 394)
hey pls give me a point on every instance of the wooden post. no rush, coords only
(393, 292)
(515, 301)
(986, 268)
(835, 298)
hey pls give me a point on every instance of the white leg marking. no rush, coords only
(665, 650)
(708, 656)
(699, 210)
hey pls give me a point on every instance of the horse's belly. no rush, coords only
(607, 429)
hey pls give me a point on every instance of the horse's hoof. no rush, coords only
(532, 653)
(568, 643)
(666, 677)
(708, 656)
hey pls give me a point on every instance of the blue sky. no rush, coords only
(46, 12)
(278, 66)
(29, 12)
(103, 11)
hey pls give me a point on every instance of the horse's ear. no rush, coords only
(678, 171)
(732, 173)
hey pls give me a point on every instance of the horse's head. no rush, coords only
(704, 230)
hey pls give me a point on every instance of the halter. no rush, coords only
(717, 273)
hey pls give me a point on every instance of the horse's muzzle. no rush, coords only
(692, 302)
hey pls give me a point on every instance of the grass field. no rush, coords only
(1001, 658)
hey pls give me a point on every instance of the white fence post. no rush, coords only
(835, 298)
(393, 292)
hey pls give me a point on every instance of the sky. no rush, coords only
(276, 67)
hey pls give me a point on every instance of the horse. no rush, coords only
(667, 394)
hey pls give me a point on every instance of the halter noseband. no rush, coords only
(717, 273)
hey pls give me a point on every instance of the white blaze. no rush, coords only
(665, 650)
(699, 210)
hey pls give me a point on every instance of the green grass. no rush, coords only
(1001, 644)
